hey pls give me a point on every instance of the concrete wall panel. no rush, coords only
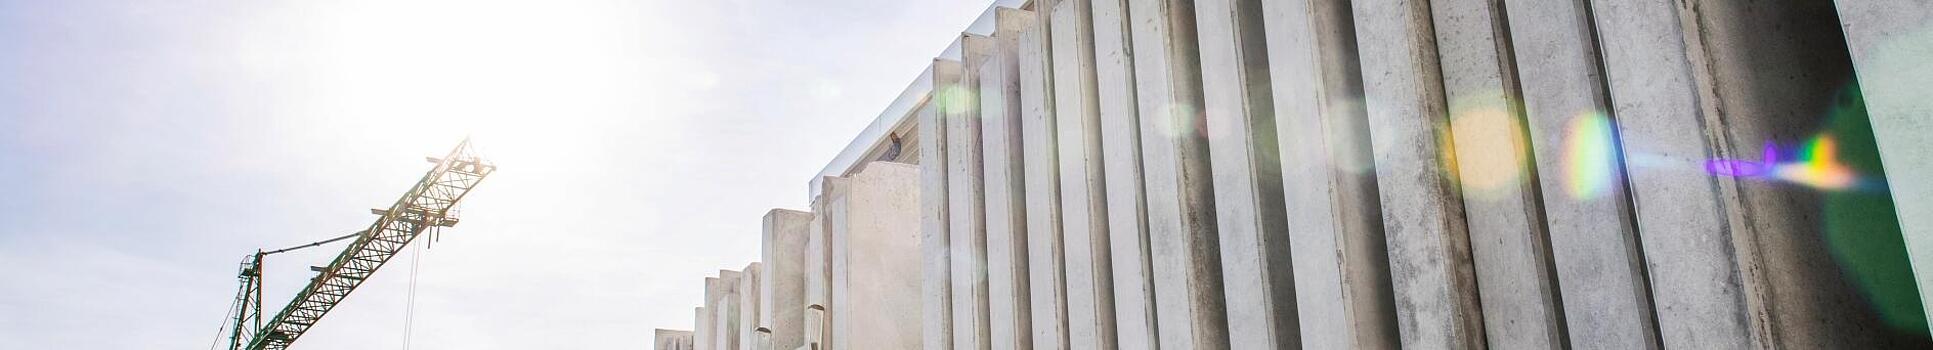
(1046, 273)
(1429, 249)
(1006, 217)
(875, 253)
(783, 283)
(956, 94)
(1889, 42)
(937, 285)
(1342, 283)
(1090, 294)
(1240, 121)
(1134, 313)
(1180, 189)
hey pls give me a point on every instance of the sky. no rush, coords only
(147, 146)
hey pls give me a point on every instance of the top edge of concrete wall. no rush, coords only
(900, 111)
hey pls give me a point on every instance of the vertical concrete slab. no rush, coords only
(1889, 41)
(748, 308)
(1180, 191)
(937, 283)
(786, 233)
(1090, 290)
(1606, 300)
(1509, 248)
(725, 309)
(1134, 312)
(876, 259)
(1695, 279)
(1046, 259)
(1342, 284)
(1009, 320)
(1429, 247)
(956, 94)
(1248, 182)
(665, 339)
(701, 323)
(818, 318)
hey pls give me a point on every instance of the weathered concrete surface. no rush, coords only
(1678, 207)
(1006, 216)
(1090, 291)
(1134, 313)
(665, 339)
(1248, 180)
(875, 259)
(701, 323)
(937, 285)
(724, 309)
(1342, 284)
(1180, 191)
(749, 285)
(1889, 41)
(1606, 300)
(1046, 261)
(1774, 76)
(1429, 247)
(1508, 244)
(784, 254)
(818, 322)
(957, 97)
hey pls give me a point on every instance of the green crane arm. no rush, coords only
(427, 204)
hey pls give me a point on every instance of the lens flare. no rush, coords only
(1488, 155)
(1818, 166)
(1590, 156)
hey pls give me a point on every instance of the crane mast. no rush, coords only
(428, 204)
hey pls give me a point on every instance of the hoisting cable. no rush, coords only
(409, 308)
(327, 241)
(232, 306)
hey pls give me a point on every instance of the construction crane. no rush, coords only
(425, 207)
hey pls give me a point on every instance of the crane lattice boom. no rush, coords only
(426, 205)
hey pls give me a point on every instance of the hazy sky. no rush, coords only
(147, 146)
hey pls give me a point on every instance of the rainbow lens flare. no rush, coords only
(1818, 166)
(1590, 156)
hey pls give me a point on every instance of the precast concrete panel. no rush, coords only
(1336, 243)
(1606, 300)
(957, 95)
(725, 309)
(936, 283)
(1046, 259)
(1134, 314)
(1009, 325)
(701, 325)
(1186, 262)
(1508, 244)
(876, 241)
(749, 293)
(784, 254)
(1696, 282)
(1429, 247)
(1090, 291)
(1243, 151)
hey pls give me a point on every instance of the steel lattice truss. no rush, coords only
(428, 204)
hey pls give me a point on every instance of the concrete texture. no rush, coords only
(1134, 314)
(1046, 259)
(936, 285)
(1889, 41)
(1006, 216)
(1606, 301)
(1186, 262)
(665, 339)
(1090, 290)
(957, 96)
(784, 253)
(701, 323)
(1342, 284)
(1248, 181)
(724, 309)
(818, 322)
(875, 258)
(1429, 247)
(748, 309)
(1508, 244)
(1678, 207)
